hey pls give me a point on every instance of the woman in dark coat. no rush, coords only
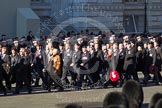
(2, 87)
(129, 63)
(23, 71)
(14, 61)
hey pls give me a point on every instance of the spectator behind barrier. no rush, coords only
(158, 104)
(115, 100)
(155, 98)
(134, 93)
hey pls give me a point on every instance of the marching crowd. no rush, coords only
(84, 60)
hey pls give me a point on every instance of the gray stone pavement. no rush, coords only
(88, 98)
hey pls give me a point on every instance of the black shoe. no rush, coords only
(16, 92)
(59, 88)
(36, 85)
(49, 89)
(77, 89)
(73, 82)
(158, 83)
(64, 82)
(149, 77)
(5, 92)
(29, 91)
(105, 85)
(114, 85)
(32, 82)
(145, 82)
(44, 86)
(9, 88)
(121, 84)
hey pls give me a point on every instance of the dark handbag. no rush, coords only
(153, 69)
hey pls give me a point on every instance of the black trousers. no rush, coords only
(67, 71)
(80, 78)
(2, 87)
(13, 74)
(157, 75)
(41, 75)
(50, 82)
(130, 71)
(7, 77)
(23, 78)
(20, 82)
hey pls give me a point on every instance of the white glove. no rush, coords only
(32, 64)
(71, 64)
(44, 70)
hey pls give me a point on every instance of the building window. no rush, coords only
(134, 1)
(131, 0)
(36, 1)
(133, 23)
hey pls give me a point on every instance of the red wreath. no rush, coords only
(114, 76)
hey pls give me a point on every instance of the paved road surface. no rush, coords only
(88, 98)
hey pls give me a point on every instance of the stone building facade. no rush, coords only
(8, 12)
(117, 15)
